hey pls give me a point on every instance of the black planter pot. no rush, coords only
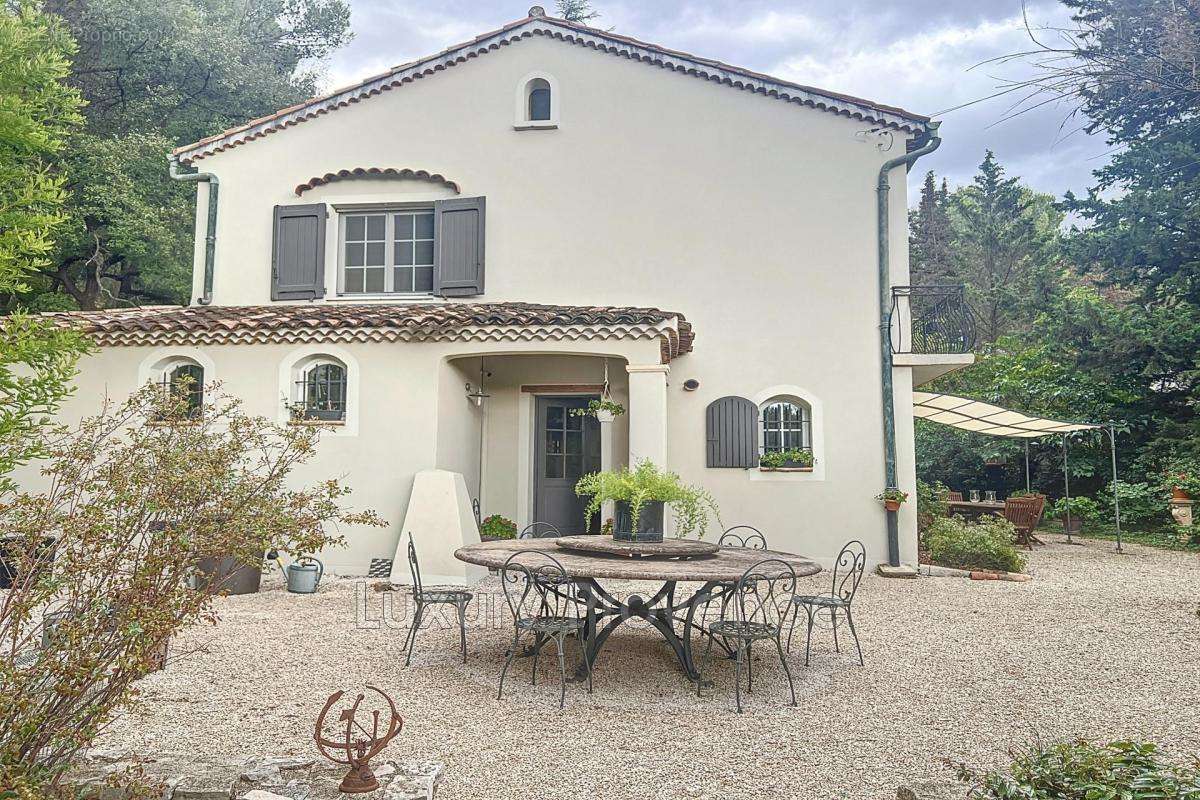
(10, 560)
(650, 523)
(228, 575)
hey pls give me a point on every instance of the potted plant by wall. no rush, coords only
(640, 495)
(1081, 508)
(604, 410)
(786, 459)
(1182, 479)
(495, 527)
(892, 498)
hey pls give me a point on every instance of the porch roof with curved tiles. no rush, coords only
(302, 324)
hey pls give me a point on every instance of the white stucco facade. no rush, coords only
(753, 217)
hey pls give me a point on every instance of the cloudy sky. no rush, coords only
(922, 55)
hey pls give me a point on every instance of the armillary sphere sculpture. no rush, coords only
(355, 744)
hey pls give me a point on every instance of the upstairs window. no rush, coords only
(389, 251)
(321, 391)
(539, 100)
(786, 425)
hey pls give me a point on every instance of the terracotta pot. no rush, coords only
(891, 505)
(1179, 494)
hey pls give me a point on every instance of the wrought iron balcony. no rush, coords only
(931, 319)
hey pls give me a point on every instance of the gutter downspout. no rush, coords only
(932, 142)
(210, 239)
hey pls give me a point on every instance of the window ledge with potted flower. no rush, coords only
(794, 460)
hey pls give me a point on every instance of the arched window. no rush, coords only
(321, 390)
(538, 105)
(181, 380)
(786, 425)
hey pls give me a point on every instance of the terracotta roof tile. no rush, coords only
(368, 172)
(336, 322)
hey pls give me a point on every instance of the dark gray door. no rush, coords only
(566, 447)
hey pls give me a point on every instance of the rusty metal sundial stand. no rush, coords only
(358, 744)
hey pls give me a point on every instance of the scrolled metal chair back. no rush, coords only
(536, 584)
(540, 530)
(764, 593)
(746, 536)
(414, 566)
(848, 570)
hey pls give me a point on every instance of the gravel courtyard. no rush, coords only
(1097, 645)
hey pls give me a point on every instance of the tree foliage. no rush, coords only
(157, 74)
(37, 112)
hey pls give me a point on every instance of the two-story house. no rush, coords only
(439, 263)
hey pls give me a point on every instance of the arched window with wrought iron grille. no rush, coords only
(786, 425)
(321, 391)
(183, 381)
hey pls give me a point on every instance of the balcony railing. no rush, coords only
(931, 319)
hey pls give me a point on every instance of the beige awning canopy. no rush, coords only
(979, 417)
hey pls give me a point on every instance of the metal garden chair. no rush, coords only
(743, 536)
(423, 597)
(756, 611)
(847, 573)
(545, 603)
(540, 530)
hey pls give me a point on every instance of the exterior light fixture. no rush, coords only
(691, 385)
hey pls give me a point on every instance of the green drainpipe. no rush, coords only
(210, 239)
(931, 143)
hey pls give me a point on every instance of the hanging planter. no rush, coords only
(603, 410)
(892, 498)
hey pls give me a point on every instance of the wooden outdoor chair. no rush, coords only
(954, 497)
(1025, 513)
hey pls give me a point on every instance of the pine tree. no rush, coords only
(931, 237)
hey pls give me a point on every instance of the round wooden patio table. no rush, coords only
(675, 620)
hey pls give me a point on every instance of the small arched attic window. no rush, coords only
(537, 102)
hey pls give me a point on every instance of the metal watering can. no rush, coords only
(304, 575)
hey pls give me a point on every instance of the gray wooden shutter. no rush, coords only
(731, 429)
(298, 253)
(459, 231)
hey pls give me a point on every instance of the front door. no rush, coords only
(566, 447)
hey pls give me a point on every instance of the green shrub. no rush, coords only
(1084, 770)
(1142, 505)
(986, 544)
(1081, 508)
(931, 503)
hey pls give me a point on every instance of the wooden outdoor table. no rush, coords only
(975, 507)
(605, 612)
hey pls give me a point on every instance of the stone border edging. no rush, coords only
(935, 571)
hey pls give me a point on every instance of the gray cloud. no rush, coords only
(923, 55)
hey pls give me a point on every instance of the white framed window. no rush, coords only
(786, 424)
(386, 251)
(181, 371)
(537, 102)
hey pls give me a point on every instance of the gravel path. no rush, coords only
(1097, 645)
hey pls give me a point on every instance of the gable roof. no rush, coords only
(572, 33)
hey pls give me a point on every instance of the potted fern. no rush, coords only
(640, 495)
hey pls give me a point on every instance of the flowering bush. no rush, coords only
(986, 544)
(498, 527)
(102, 558)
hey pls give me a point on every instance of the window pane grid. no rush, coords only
(388, 252)
(786, 426)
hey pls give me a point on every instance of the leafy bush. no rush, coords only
(131, 506)
(931, 503)
(647, 483)
(498, 527)
(1081, 769)
(1183, 473)
(1142, 505)
(986, 544)
(1080, 507)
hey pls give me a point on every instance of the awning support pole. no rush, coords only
(1026, 465)
(1112, 441)
(1067, 491)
